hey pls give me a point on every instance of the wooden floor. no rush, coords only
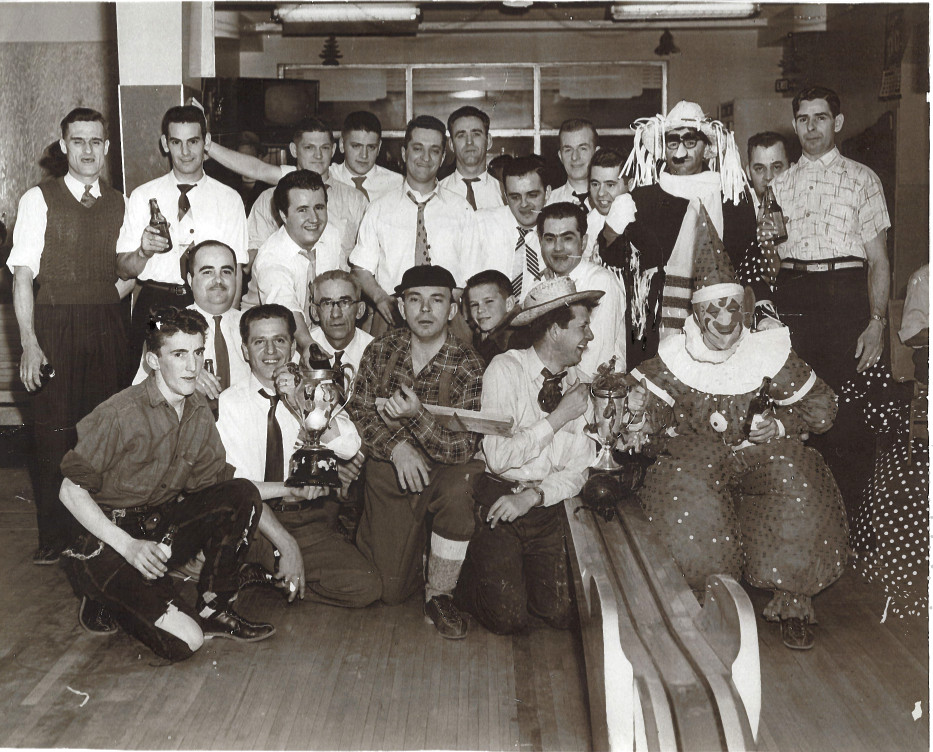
(381, 679)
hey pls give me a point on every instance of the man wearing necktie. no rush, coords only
(66, 230)
(360, 144)
(516, 561)
(259, 434)
(197, 208)
(469, 140)
(577, 140)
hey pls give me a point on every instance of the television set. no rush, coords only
(269, 107)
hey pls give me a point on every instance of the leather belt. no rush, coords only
(822, 266)
(168, 287)
(293, 506)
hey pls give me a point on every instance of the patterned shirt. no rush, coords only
(386, 365)
(833, 205)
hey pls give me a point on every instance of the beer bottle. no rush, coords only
(759, 405)
(158, 222)
(168, 539)
(770, 209)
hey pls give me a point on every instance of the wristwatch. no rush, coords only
(537, 490)
(879, 318)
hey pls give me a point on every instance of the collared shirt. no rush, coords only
(133, 450)
(595, 222)
(281, 272)
(607, 320)
(31, 223)
(833, 205)
(497, 233)
(230, 328)
(386, 243)
(377, 182)
(242, 427)
(533, 454)
(345, 207)
(216, 213)
(352, 353)
(565, 193)
(486, 190)
(465, 374)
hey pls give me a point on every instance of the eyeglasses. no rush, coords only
(673, 140)
(342, 303)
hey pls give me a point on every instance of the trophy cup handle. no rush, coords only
(349, 374)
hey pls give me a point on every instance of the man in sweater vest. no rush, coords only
(65, 239)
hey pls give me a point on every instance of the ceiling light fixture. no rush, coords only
(654, 11)
(325, 12)
(666, 45)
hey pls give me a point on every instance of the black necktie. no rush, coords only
(581, 197)
(470, 196)
(87, 200)
(221, 355)
(338, 370)
(184, 205)
(551, 393)
(275, 456)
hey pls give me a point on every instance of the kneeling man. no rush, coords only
(516, 562)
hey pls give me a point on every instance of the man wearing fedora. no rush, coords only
(416, 467)
(682, 157)
(516, 564)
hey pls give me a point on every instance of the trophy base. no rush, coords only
(605, 462)
(313, 466)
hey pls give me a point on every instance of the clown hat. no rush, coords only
(713, 275)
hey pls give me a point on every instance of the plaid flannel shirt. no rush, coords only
(423, 431)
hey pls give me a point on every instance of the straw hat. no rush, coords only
(550, 294)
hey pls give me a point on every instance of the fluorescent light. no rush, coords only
(652, 11)
(359, 12)
(468, 94)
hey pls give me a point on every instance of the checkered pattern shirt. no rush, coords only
(833, 205)
(466, 382)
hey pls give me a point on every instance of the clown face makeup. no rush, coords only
(720, 321)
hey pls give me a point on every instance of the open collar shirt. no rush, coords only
(216, 213)
(486, 190)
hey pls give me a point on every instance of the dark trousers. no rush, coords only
(219, 520)
(86, 345)
(393, 531)
(826, 312)
(516, 568)
(149, 297)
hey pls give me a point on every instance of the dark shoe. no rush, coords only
(443, 614)
(797, 634)
(254, 574)
(231, 626)
(95, 618)
(46, 554)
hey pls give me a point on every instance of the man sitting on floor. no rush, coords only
(516, 562)
(416, 466)
(149, 482)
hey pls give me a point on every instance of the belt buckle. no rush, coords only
(820, 267)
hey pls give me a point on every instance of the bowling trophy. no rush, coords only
(608, 393)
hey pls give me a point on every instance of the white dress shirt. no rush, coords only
(594, 225)
(386, 243)
(216, 213)
(486, 190)
(31, 223)
(607, 320)
(282, 273)
(377, 182)
(533, 454)
(565, 193)
(497, 231)
(345, 207)
(352, 353)
(230, 328)
(242, 421)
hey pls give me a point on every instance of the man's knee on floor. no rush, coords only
(182, 626)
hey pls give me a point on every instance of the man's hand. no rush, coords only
(349, 471)
(411, 467)
(33, 359)
(147, 557)
(403, 404)
(764, 428)
(304, 493)
(292, 570)
(208, 384)
(385, 305)
(572, 405)
(152, 242)
(637, 399)
(510, 507)
(869, 346)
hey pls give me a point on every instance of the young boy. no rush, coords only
(490, 308)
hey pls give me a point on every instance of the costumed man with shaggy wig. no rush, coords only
(734, 489)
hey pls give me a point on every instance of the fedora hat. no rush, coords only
(550, 294)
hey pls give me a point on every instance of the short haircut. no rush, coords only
(164, 321)
(263, 312)
(577, 124)
(338, 275)
(489, 277)
(518, 167)
(608, 158)
(311, 125)
(818, 92)
(361, 120)
(304, 179)
(467, 111)
(562, 316)
(187, 113)
(83, 115)
(193, 252)
(563, 210)
(429, 122)
(766, 139)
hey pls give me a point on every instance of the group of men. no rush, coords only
(492, 294)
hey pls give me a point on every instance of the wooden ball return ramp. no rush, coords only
(663, 672)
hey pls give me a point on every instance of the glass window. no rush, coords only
(346, 90)
(505, 93)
